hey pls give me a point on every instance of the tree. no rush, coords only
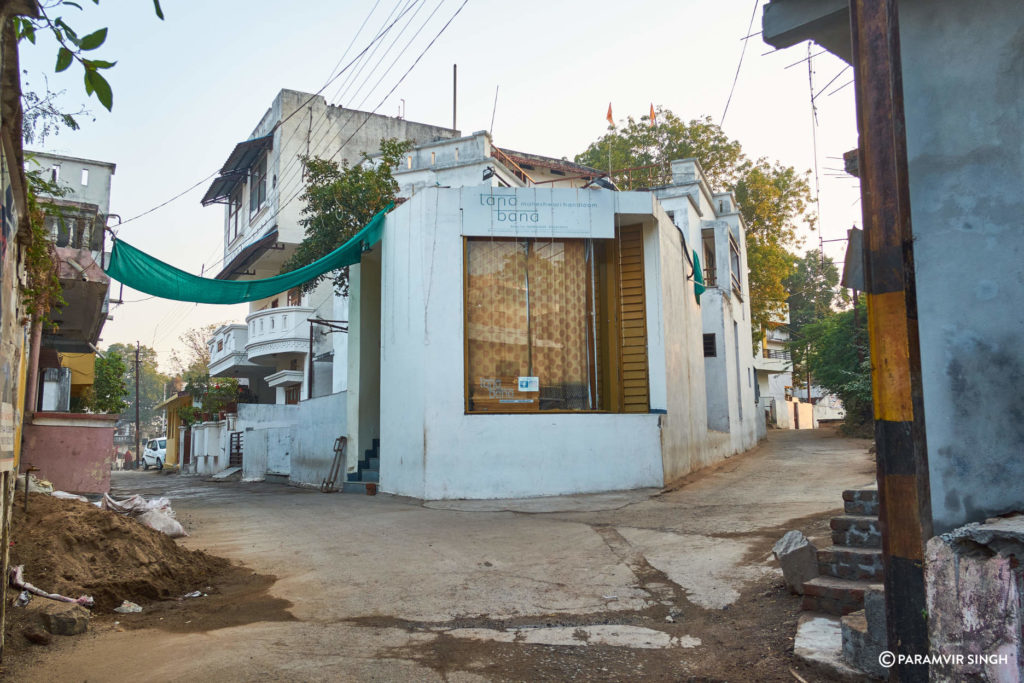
(339, 202)
(773, 199)
(814, 294)
(110, 387)
(152, 385)
(841, 358)
(637, 143)
(42, 117)
(193, 355)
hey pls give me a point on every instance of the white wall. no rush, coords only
(432, 449)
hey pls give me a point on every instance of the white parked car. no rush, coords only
(154, 454)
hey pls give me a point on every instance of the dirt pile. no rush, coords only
(75, 548)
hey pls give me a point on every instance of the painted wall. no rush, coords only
(72, 450)
(96, 190)
(965, 144)
(432, 449)
(296, 441)
(322, 420)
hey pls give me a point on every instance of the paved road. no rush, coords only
(385, 588)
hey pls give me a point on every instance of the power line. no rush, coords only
(736, 77)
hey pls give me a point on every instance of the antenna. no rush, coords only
(494, 110)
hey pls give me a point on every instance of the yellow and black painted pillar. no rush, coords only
(905, 511)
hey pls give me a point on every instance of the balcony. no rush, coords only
(275, 331)
(773, 361)
(227, 351)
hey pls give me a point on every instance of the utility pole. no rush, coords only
(138, 436)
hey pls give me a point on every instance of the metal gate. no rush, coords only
(235, 450)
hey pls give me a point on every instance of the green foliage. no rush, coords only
(71, 46)
(814, 294)
(637, 143)
(41, 291)
(41, 117)
(841, 361)
(773, 199)
(211, 395)
(339, 202)
(110, 388)
(152, 384)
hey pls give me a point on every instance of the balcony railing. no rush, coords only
(777, 354)
(278, 330)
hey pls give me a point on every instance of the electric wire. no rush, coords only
(736, 77)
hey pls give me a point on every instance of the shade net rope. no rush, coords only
(142, 272)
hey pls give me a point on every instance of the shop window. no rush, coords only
(556, 325)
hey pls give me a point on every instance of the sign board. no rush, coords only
(529, 384)
(7, 430)
(537, 212)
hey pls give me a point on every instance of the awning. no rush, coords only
(146, 274)
(246, 256)
(235, 169)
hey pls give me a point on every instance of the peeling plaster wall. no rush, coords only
(975, 598)
(965, 141)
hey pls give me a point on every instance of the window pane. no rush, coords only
(497, 326)
(557, 272)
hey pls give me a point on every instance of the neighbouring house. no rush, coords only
(940, 112)
(177, 432)
(72, 449)
(519, 331)
(286, 349)
(774, 368)
(15, 234)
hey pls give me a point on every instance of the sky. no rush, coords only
(188, 88)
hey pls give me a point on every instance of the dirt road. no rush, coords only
(628, 586)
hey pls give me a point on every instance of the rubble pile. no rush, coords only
(74, 548)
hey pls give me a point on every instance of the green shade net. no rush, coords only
(698, 277)
(144, 273)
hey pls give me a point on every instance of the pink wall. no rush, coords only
(71, 450)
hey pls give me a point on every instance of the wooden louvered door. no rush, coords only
(632, 314)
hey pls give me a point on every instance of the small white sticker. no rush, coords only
(6, 427)
(529, 384)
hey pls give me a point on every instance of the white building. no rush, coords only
(281, 355)
(518, 332)
(714, 229)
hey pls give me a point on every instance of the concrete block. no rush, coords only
(860, 650)
(798, 558)
(975, 599)
(819, 644)
(65, 619)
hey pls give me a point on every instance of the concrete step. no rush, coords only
(374, 463)
(857, 531)
(369, 476)
(857, 564)
(860, 649)
(819, 645)
(835, 596)
(861, 501)
(355, 487)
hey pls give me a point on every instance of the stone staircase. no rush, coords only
(368, 471)
(853, 564)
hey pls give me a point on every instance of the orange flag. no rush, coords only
(611, 121)
(652, 113)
